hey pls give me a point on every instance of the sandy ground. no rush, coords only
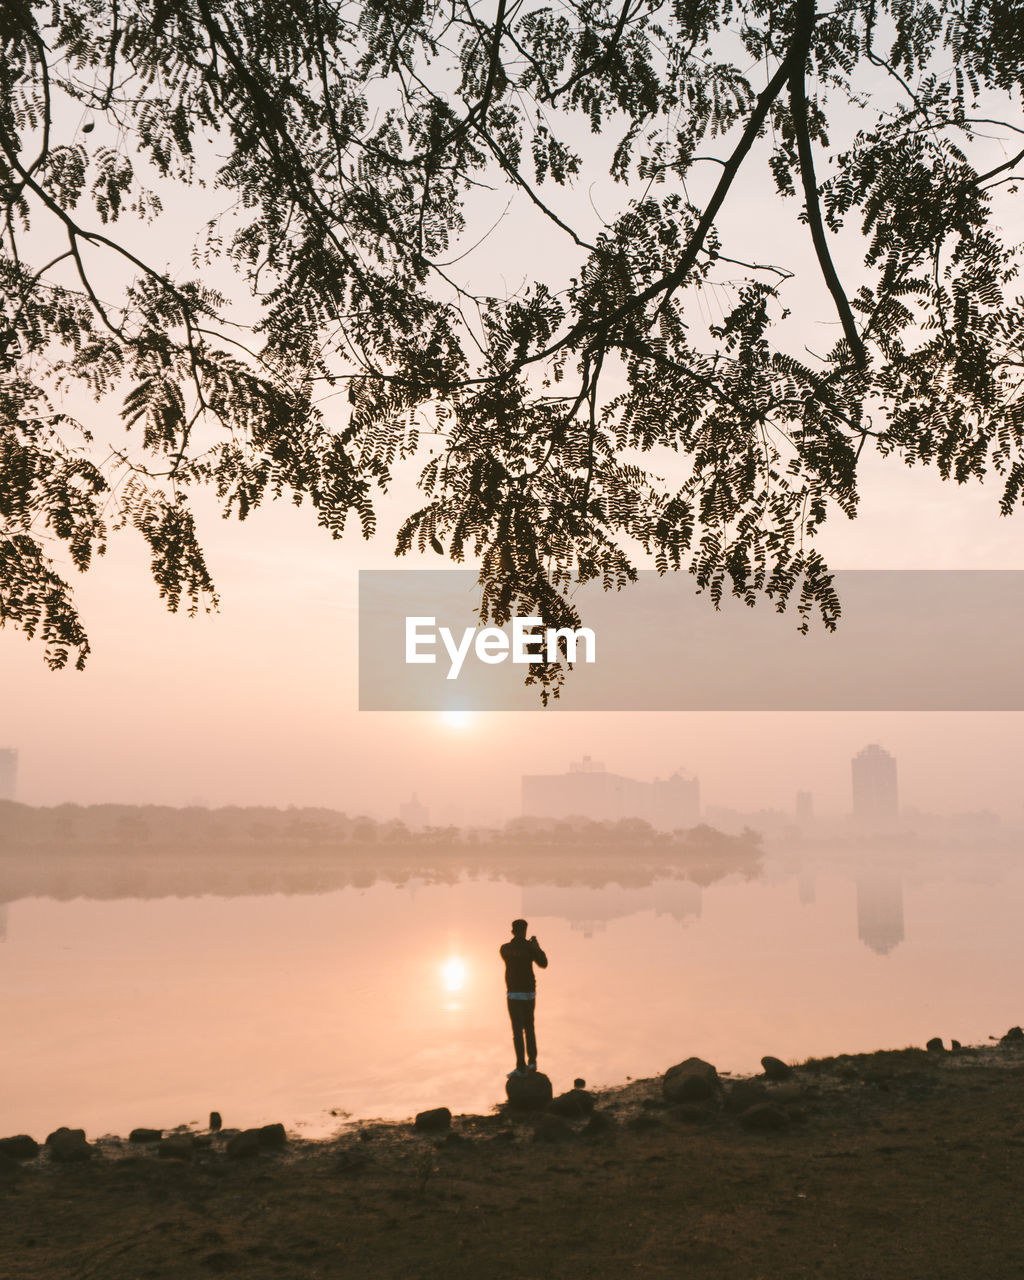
(906, 1164)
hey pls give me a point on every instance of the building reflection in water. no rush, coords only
(880, 909)
(589, 908)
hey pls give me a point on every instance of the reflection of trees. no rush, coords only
(118, 851)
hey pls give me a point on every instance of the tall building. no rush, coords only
(588, 790)
(875, 794)
(414, 814)
(8, 772)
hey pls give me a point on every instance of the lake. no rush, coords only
(312, 1002)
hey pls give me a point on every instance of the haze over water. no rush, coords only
(383, 997)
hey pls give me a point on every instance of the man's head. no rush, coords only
(518, 928)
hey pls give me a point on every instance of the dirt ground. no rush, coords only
(906, 1164)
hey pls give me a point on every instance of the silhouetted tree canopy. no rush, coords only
(325, 162)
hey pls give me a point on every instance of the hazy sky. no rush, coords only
(257, 705)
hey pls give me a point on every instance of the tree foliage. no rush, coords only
(651, 403)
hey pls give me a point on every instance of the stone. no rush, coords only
(178, 1146)
(1014, 1036)
(9, 1168)
(68, 1145)
(690, 1081)
(436, 1120)
(215, 1122)
(19, 1147)
(531, 1092)
(272, 1135)
(955, 1046)
(765, 1116)
(552, 1129)
(573, 1105)
(579, 1083)
(775, 1068)
(744, 1094)
(243, 1145)
(935, 1045)
(145, 1135)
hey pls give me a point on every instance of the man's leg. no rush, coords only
(530, 1034)
(515, 1014)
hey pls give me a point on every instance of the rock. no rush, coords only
(744, 1094)
(955, 1046)
(690, 1081)
(766, 1116)
(574, 1105)
(244, 1145)
(9, 1168)
(579, 1083)
(775, 1068)
(145, 1135)
(272, 1135)
(68, 1145)
(1014, 1036)
(552, 1129)
(531, 1092)
(215, 1122)
(435, 1121)
(178, 1146)
(19, 1147)
(935, 1045)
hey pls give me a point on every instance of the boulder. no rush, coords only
(272, 1135)
(690, 1081)
(215, 1122)
(244, 1145)
(531, 1092)
(435, 1121)
(178, 1146)
(935, 1045)
(68, 1145)
(744, 1094)
(765, 1116)
(145, 1135)
(573, 1105)
(9, 1168)
(19, 1147)
(955, 1046)
(775, 1068)
(1014, 1036)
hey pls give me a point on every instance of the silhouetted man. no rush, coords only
(520, 954)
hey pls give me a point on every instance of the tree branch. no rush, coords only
(798, 104)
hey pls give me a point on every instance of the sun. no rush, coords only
(453, 971)
(460, 720)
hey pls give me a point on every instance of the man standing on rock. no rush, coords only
(520, 954)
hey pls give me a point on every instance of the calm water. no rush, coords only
(383, 1000)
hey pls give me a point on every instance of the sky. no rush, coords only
(257, 703)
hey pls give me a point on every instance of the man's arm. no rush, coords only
(538, 957)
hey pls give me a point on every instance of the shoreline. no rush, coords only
(624, 1097)
(893, 1164)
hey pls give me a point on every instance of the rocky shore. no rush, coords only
(905, 1163)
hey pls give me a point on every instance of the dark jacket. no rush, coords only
(520, 955)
